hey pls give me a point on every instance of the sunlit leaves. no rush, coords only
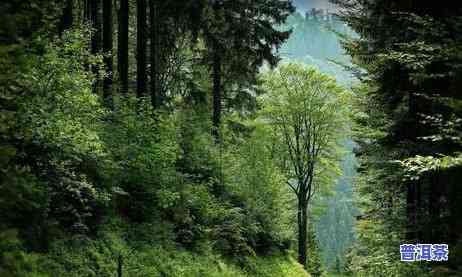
(307, 111)
(61, 107)
(417, 166)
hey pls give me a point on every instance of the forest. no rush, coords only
(229, 138)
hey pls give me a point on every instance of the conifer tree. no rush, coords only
(124, 11)
(107, 49)
(141, 48)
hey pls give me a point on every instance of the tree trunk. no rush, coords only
(154, 22)
(123, 45)
(411, 211)
(87, 10)
(95, 7)
(216, 75)
(119, 266)
(302, 217)
(96, 37)
(107, 48)
(67, 18)
(418, 214)
(141, 48)
(434, 207)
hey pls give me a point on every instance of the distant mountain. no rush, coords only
(306, 5)
(314, 41)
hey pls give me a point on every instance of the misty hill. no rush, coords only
(314, 41)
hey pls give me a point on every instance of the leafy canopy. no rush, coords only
(308, 112)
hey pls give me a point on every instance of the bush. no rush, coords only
(143, 147)
(57, 149)
(257, 186)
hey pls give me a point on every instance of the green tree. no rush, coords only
(307, 110)
(81, 184)
(314, 265)
(239, 39)
(408, 56)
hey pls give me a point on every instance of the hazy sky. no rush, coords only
(305, 5)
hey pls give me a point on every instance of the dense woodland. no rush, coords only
(220, 138)
(408, 58)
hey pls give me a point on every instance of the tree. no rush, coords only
(409, 55)
(240, 37)
(67, 17)
(216, 91)
(141, 48)
(95, 14)
(314, 266)
(307, 111)
(123, 45)
(87, 10)
(107, 48)
(165, 19)
(154, 52)
(96, 35)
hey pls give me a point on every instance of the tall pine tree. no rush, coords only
(107, 49)
(123, 45)
(141, 48)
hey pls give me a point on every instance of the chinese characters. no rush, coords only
(424, 252)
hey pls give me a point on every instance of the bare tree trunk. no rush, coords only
(411, 210)
(119, 266)
(216, 76)
(67, 18)
(302, 230)
(418, 213)
(95, 7)
(154, 74)
(96, 38)
(87, 10)
(123, 45)
(434, 207)
(141, 48)
(107, 48)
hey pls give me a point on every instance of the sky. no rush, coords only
(304, 5)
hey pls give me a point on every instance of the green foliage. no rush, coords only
(53, 145)
(143, 150)
(315, 41)
(82, 183)
(85, 257)
(255, 181)
(245, 35)
(377, 196)
(408, 58)
(26, 20)
(275, 265)
(60, 108)
(375, 253)
(305, 111)
(314, 266)
(308, 112)
(417, 166)
(14, 261)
